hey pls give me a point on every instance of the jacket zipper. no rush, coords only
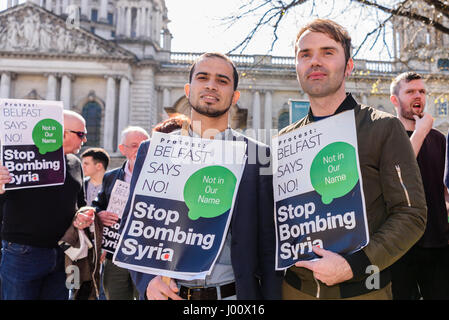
(398, 170)
(97, 291)
(317, 287)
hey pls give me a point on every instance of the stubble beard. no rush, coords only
(209, 112)
(321, 90)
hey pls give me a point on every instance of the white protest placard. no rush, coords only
(31, 133)
(117, 203)
(318, 193)
(182, 206)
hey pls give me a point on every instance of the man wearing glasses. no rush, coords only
(35, 219)
(117, 281)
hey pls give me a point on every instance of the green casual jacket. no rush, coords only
(394, 198)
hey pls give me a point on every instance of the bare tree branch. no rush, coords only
(409, 14)
(271, 14)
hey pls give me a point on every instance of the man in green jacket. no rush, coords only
(393, 190)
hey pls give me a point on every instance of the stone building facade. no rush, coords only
(111, 61)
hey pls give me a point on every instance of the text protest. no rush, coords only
(31, 138)
(181, 207)
(318, 196)
(117, 202)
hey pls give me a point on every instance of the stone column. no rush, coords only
(268, 116)
(15, 3)
(256, 111)
(66, 90)
(65, 5)
(103, 11)
(138, 23)
(143, 25)
(118, 21)
(166, 97)
(109, 114)
(48, 5)
(85, 9)
(51, 87)
(149, 22)
(123, 111)
(5, 85)
(58, 9)
(157, 31)
(153, 24)
(128, 22)
(167, 40)
(9, 4)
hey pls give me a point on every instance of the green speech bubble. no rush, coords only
(209, 191)
(334, 171)
(47, 135)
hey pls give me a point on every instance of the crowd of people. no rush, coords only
(402, 162)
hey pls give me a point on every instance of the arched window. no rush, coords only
(283, 120)
(92, 113)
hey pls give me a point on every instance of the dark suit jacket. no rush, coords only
(253, 244)
(109, 178)
(102, 200)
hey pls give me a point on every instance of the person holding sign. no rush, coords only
(244, 268)
(116, 281)
(423, 270)
(393, 190)
(35, 219)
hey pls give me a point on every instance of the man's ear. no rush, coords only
(349, 67)
(394, 100)
(187, 89)
(121, 147)
(235, 97)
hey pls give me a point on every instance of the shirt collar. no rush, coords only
(223, 135)
(348, 104)
(128, 174)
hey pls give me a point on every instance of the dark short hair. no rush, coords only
(220, 56)
(172, 123)
(407, 77)
(98, 155)
(330, 28)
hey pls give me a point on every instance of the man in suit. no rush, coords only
(245, 267)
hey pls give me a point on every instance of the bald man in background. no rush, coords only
(35, 219)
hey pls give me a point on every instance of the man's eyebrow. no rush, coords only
(224, 76)
(321, 48)
(328, 48)
(203, 73)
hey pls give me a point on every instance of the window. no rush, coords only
(284, 120)
(92, 113)
(110, 18)
(94, 15)
(443, 64)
